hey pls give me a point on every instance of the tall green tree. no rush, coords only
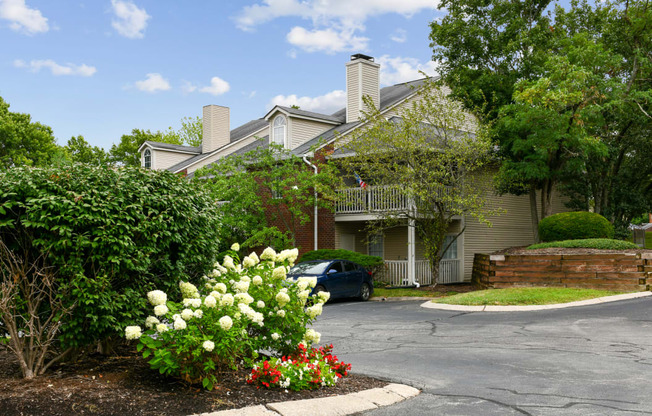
(431, 156)
(126, 151)
(190, 133)
(23, 141)
(80, 151)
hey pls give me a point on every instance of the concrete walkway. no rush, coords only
(348, 404)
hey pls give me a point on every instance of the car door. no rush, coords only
(353, 278)
(336, 279)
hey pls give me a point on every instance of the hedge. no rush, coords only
(370, 263)
(598, 243)
(575, 226)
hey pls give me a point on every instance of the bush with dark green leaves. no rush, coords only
(575, 226)
(112, 235)
(599, 243)
(371, 263)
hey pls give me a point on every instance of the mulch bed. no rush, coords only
(125, 385)
(560, 250)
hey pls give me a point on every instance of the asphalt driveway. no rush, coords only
(591, 360)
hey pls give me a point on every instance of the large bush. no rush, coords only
(597, 243)
(238, 310)
(370, 263)
(575, 226)
(112, 235)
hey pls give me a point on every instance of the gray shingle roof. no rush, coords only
(177, 147)
(304, 113)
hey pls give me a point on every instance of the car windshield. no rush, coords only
(310, 268)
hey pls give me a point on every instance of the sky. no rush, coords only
(101, 68)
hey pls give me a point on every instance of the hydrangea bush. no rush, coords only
(241, 308)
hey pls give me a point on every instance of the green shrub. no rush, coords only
(575, 226)
(370, 263)
(112, 235)
(599, 243)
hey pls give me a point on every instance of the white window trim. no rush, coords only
(370, 237)
(151, 159)
(285, 130)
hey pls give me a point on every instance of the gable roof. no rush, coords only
(297, 112)
(170, 147)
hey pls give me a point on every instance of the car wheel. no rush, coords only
(320, 288)
(365, 292)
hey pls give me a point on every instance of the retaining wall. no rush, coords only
(617, 271)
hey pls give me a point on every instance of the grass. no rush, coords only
(388, 293)
(599, 243)
(525, 296)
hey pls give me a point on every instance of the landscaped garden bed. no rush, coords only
(124, 384)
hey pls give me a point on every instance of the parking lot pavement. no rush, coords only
(591, 360)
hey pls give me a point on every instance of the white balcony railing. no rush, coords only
(379, 198)
(396, 272)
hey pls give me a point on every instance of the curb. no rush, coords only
(493, 308)
(328, 406)
(398, 298)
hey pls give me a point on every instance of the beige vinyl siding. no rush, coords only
(511, 228)
(370, 85)
(162, 159)
(241, 143)
(301, 130)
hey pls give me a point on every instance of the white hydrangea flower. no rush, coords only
(235, 247)
(292, 255)
(324, 296)
(227, 300)
(188, 290)
(302, 284)
(260, 304)
(179, 324)
(228, 262)
(279, 273)
(176, 316)
(210, 301)
(157, 297)
(275, 336)
(312, 336)
(314, 311)
(281, 313)
(220, 287)
(198, 313)
(196, 303)
(241, 287)
(245, 278)
(160, 310)
(312, 281)
(226, 322)
(280, 257)
(243, 298)
(303, 295)
(248, 262)
(254, 257)
(282, 298)
(257, 280)
(186, 314)
(160, 328)
(208, 345)
(268, 254)
(151, 321)
(258, 318)
(132, 332)
(237, 315)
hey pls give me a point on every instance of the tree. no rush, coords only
(432, 158)
(80, 151)
(126, 152)
(190, 133)
(269, 193)
(23, 142)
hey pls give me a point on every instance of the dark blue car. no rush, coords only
(342, 278)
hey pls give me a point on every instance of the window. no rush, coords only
(349, 267)
(376, 246)
(451, 253)
(336, 267)
(279, 130)
(148, 159)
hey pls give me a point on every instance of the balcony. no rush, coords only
(373, 199)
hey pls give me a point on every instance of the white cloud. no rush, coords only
(327, 40)
(399, 35)
(22, 18)
(218, 87)
(82, 70)
(325, 104)
(336, 23)
(398, 69)
(130, 20)
(154, 82)
(188, 87)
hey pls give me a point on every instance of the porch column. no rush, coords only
(411, 257)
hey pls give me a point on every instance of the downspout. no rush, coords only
(305, 159)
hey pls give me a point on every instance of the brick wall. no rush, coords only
(622, 272)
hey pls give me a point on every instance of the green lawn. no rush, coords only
(389, 293)
(524, 296)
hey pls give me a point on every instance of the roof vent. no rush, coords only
(362, 56)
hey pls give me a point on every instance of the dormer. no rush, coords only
(155, 155)
(291, 127)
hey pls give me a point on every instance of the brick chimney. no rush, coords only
(362, 78)
(217, 132)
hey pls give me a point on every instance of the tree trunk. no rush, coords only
(546, 198)
(534, 214)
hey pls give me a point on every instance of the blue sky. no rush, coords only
(103, 67)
